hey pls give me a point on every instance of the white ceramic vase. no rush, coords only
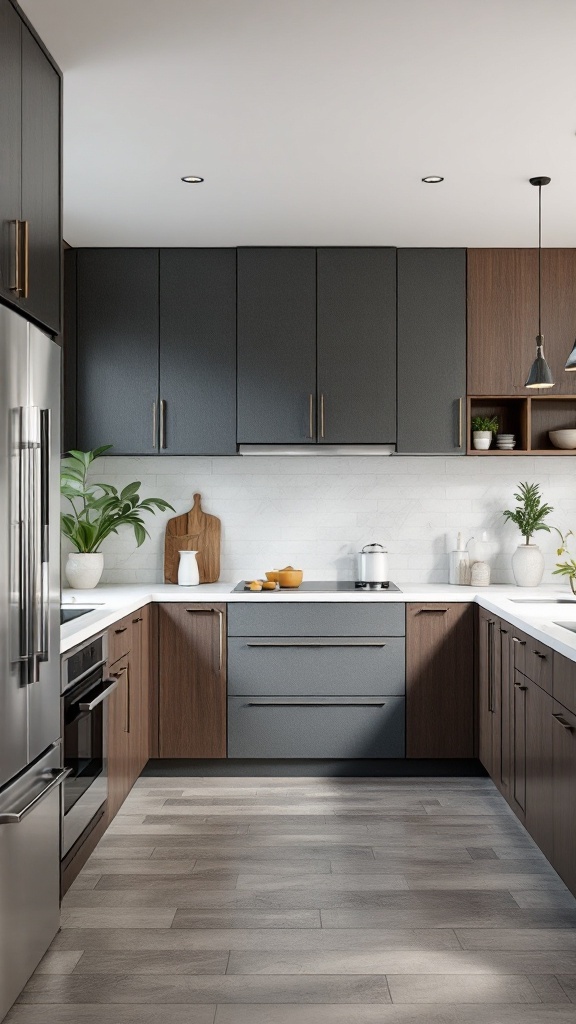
(528, 565)
(481, 439)
(188, 575)
(83, 571)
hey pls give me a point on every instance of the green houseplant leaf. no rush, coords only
(97, 509)
(530, 513)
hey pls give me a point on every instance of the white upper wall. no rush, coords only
(313, 121)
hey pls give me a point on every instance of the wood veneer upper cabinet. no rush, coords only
(356, 339)
(439, 680)
(276, 345)
(431, 351)
(503, 317)
(198, 351)
(192, 680)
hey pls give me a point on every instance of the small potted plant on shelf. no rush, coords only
(98, 509)
(567, 568)
(483, 430)
(529, 516)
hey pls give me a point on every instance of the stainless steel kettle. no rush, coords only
(373, 564)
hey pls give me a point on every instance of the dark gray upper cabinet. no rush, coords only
(356, 345)
(117, 350)
(198, 351)
(30, 173)
(431, 351)
(276, 345)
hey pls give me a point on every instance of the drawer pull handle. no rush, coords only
(319, 647)
(140, 619)
(519, 686)
(503, 630)
(316, 704)
(432, 611)
(539, 655)
(563, 722)
(515, 640)
(123, 630)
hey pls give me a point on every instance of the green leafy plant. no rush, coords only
(567, 568)
(485, 423)
(529, 515)
(98, 509)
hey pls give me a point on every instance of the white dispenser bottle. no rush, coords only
(460, 564)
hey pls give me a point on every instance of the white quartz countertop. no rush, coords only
(524, 608)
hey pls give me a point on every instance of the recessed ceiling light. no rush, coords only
(191, 179)
(432, 179)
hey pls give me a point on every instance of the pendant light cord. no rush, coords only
(539, 264)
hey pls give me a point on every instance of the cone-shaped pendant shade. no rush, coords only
(571, 361)
(540, 375)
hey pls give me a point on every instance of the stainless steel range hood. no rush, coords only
(317, 449)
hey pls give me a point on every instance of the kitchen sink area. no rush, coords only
(68, 613)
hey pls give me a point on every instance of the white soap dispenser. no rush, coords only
(460, 564)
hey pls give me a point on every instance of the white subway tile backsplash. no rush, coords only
(315, 513)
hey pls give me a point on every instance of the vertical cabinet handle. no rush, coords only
(16, 287)
(459, 440)
(220, 614)
(25, 258)
(311, 416)
(491, 624)
(322, 416)
(154, 425)
(563, 722)
(162, 423)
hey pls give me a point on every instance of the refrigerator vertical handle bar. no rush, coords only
(24, 516)
(42, 511)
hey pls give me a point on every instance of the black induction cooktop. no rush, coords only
(325, 587)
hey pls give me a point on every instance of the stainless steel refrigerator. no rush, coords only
(30, 749)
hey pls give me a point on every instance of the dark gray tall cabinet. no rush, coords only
(152, 347)
(431, 351)
(316, 345)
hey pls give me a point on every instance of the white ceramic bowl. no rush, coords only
(563, 438)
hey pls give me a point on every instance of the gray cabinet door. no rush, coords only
(356, 345)
(276, 345)
(317, 619)
(431, 351)
(198, 351)
(117, 349)
(10, 147)
(315, 727)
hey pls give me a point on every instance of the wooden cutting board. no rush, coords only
(193, 531)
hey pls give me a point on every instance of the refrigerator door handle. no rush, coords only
(42, 534)
(54, 777)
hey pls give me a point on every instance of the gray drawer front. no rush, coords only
(308, 727)
(316, 665)
(345, 619)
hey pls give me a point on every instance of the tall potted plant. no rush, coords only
(97, 510)
(529, 516)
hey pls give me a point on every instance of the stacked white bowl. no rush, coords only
(505, 442)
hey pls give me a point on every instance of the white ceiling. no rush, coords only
(313, 121)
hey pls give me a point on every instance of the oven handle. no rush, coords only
(101, 696)
(85, 674)
(53, 778)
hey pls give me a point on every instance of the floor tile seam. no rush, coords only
(558, 978)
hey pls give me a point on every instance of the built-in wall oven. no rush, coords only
(85, 689)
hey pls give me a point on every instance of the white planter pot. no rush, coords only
(528, 565)
(481, 439)
(83, 571)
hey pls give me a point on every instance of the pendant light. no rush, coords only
(540, 375)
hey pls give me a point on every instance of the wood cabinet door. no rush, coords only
(118, 746)
(518, 745)
(356, 339)
(276, 345)
(539, 781)
(504, 696)
(564, 793)
(139, 692)
(487, 626)
(439, 680)
(117, 350)
(10, 148)
(41, 191)
(432, 351)
(198, 351)
(192, 680)
(503, 317)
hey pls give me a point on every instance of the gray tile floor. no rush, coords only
(311, 901)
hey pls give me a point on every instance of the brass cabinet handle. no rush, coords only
(322, 416)
(563, 722)
(25, 258)
(154, 425)
(459, 445)
(162, 423)
(311, 416)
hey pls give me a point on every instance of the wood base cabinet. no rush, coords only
(192, 680)
(439, 680)
(128, 706)
(564, 793)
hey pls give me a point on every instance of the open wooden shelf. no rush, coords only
(528, 417)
